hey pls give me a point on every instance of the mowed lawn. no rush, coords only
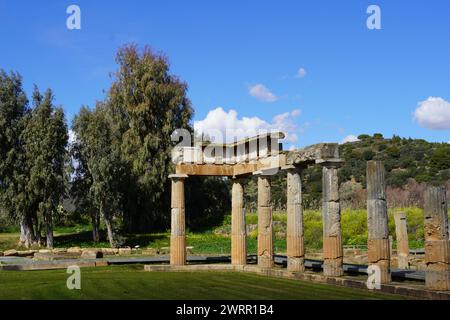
(131, 282)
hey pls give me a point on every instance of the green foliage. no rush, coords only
(403, 159)
(45, 138)
(364, 137)
(13, 175)
(101, 166)
(354, 227)
(123, 152)
(208, 200)
(147, 104)
(32, 158)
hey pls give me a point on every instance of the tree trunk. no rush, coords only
(27, 237)
(37, 234)
(49, 226)
(109, 229)
(95, 227)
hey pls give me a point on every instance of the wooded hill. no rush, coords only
(410, 164)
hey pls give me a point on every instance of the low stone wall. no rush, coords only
(59, 253)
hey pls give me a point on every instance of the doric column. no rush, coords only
(377, 220)
(238, 227)
(331, 212)
(265, 230)
(437, 245)
(295, 238)
(401, 232)
(178, 223)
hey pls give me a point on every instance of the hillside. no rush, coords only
(404, 159)
(410, 164)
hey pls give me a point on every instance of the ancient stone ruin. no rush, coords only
(262, 156)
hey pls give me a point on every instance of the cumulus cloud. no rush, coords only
(433, 113)
(350, 138)
(260, 92)
(300, 73)
(226, 126)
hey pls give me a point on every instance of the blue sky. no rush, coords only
(355, 80)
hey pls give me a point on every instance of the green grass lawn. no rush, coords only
(131, 282)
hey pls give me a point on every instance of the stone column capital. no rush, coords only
(239, 179)
(177, 176)
(266, 173)
(294, 168)
(330, 163)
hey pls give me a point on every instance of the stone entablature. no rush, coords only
(248, 150)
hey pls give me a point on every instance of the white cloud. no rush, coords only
(260, 92)
(350, 138)
(227, 126)
(433, 113)
(300, 73)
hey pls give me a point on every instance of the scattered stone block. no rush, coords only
(110, 251)
(124, 251)
(45, 251)
(59, 250)
(10, 253)
(27, 253)
(76, 250)
(149, 252)
(91, 254)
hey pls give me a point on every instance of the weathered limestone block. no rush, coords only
(401, 231)
(437, 251)
(311, 154)
(91, 254)
(265, 229)
(10, 253)
(73, 250)
(437, 245)
(178, 223)
(238, 227)
(124, 251)
(26, 253)
(333, 253)
(295, 235)
(377, 220)
(59, 250)
(149, 252)
(436, 215)
(110, 251)
(39, 256)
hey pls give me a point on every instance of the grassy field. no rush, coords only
(131, 282)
